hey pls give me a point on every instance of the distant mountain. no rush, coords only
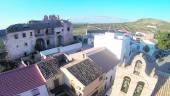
(142, 25)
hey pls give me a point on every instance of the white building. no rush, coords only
(23, 39)
(140, 75)
(107, 40)
(135, 77)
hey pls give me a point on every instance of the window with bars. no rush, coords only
(138, 89)
(16, 36)
(125, 84)
(24, 34)
(137, 68)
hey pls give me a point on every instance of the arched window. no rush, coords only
(137, 68)
(125, 85)
(139, 89)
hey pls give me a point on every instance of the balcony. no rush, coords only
(50, 33)
(37, 35)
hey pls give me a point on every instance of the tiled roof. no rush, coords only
(104, 58)
(20, 80)
(49, 67)
(164, 64)
(86, 71)
(33, 26)
(162, 87)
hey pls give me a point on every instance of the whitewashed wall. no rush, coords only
(42, 89)
(107, 40)
(12, 43)
(70, 48)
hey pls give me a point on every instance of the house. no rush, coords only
(50, 68)
(142, 76)
(107, 40)
(27, 81)
(107, 61)
(83, 76)
(38, 35)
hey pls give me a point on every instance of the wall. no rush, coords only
(107, 40)
(110, 74)
(42, 89)
(50, 82)
(94, 86)
(122, 71)
(12, 43)
(71, 81)
(70, 48)
(68, 35)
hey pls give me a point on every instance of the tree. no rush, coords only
(163, 40)
(2, 46)
(146, 48)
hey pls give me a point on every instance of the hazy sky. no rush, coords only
(20, 11)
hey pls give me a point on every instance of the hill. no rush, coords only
(143, 25)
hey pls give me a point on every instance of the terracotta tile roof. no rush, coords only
(20, 80)
(49, 67)
(86, 71)
(104, 58)
(162, 87)
(34, 26)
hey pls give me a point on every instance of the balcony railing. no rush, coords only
(36, 35)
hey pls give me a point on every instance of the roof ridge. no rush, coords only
(95, 50)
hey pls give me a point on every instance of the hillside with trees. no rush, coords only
(142, 25)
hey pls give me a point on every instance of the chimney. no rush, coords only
(50, 17)
(84, 55)
(45, 18)
(54, 17)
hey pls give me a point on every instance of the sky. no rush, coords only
(80, 11)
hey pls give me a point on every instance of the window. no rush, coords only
(138, 47)
(30, 33)
(25, 53)
(137, 68)
(58, 33)
(139, 89)
(24, 34)
(62, 30)
(100, 78)
(35, 92)
(26, 44)
(68, 29)
(16, 36)
(110, 79)
(46, 31)
(125, 85)
(48, 42)
(38, 31)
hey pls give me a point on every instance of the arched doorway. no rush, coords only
(60, 40)
(40, 44)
